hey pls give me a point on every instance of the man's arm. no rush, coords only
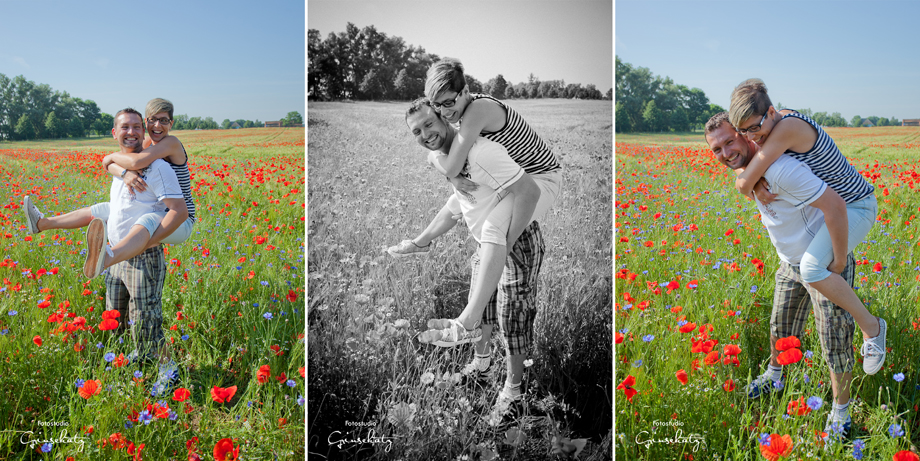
(475, 119)
(785, 135)
(174, 218)
(168, 147)
(835, 217)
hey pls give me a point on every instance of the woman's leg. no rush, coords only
(140, 238)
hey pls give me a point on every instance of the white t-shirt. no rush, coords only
(125, 208)
(489, 166)
(791, 223)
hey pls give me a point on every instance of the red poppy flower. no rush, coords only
(277, 349)
(798, 407)
(877, 267)
(291, 296)
(729, 385)
(225, 451)
(263, 374)
(626, 385)
(780, 446)
(90, 388)
(731, 349)
(712, 358)
(222, 395)
(281, 378)
(108, 324)
(688, 327)
(790, 356)
(43, 304)
(729, 232)
(37, 340)
(181, 394)
(119, 361)
(110, 314)
(302, 371)
(618, 337)
(905, 455)
(787, 343)
(681, 376)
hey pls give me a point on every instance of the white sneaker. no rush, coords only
(32, 214)
(503, 406)
(873, 350)
(408, 248)
(477, 367)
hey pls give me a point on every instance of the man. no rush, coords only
(506, 188)
(802, 203)
(134, 287)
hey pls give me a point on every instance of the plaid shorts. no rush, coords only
(514, 305)
(792, 300)
(135, 288)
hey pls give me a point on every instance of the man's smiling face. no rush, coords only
(730, 148)
(429, 130)
(129, 131)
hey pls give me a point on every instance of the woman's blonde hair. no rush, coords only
(748, 98)
(444, 75)
(157, 105)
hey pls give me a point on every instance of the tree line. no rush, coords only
(365, 64)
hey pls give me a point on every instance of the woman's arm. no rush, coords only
(784, 137)
(477, 116)
(168, 147)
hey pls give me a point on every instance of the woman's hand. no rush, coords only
(464, 186)
(763, 194)
(837, 266)
(134, 182)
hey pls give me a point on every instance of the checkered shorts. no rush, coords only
(792, 300)
(135, 288)
(514, 305)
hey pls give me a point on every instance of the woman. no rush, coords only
(159, 114)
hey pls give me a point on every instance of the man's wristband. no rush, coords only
(124, 172)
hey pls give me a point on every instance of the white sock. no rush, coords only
(840, 412)
(482, 362)
(513, 390)
(775, 373)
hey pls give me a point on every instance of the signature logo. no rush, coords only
(647, 439)
(372, 438)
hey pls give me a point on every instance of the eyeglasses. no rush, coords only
(154, 120)
(754, 128)
(448, 104)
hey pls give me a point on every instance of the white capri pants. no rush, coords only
(495, 229)
(150, 221)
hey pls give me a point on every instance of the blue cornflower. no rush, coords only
(12, 313)
(128, 424)
(859, 444)
(716, 265)
(267, 315)
(778, 385)
(255, 304)
(765, 439)
(264, 283)
(144, 417)
(815, 402)
(249, 404)
(300, 400)
(837, 427)
(138, 374)
(173, 415)
(99, 346)
(807, 379)
(898, 377)
(624, 331)
(681, 323)
(4, 331)
(648, 338)
(808, 353)
(291, 383)
(627, 307)
(79, 383)
(754, 289)
(46, 448)
(109, 356)
(895, 430)
(185, 337)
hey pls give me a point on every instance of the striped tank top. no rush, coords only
(524, 145)
(185, 182)
(828, 163)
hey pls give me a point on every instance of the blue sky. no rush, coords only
(853, 57)
(227, 60)
(569, 40)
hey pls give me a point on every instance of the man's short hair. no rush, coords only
(126, 111)
(748, 98)
(157, 105)
(715, 122)
(417, 105)
(444, 75)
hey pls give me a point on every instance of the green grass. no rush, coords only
(370, 188)
(247, 185)
(674, 205)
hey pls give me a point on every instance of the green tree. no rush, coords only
(474, 85)
(292, 118)
(509, 92)
(894, 121)
(653, 117)
(873, 119)
(75, 128)
(622, 119)
(856, 121)
(497, 86)
(679, 120)
(24, 128)
(883, 122)
(54, 126)
(225, 124)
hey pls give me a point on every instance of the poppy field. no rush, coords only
(693, 294)
(374, 391)
(233, 310)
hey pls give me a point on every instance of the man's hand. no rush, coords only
(463, 185)
(763, 193)
(837, 266)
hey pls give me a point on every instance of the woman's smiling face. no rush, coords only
(156, 127)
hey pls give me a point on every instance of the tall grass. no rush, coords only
(243, 261)
(686, 244)
(369, 188)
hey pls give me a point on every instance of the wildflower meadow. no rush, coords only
(374, 391)
(694, 288)
(233, 310)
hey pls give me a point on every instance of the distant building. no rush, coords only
(910, 122)
(235, 126)
(867, 123)
(273, 124)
